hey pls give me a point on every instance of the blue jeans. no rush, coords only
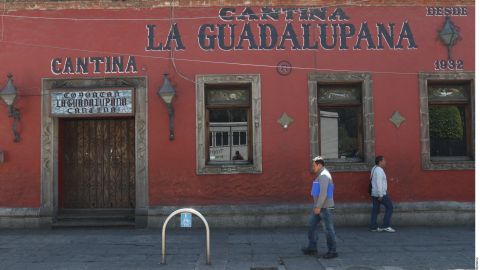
(376, 209)
(327, 223)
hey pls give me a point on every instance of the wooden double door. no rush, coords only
(97, 167)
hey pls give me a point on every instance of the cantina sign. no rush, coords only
(257, 29)
(92, 102)
(260, 28)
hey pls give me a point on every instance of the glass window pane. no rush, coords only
(243, 138)
(225, 138)
(229, 124)
(228, 115)
(219, 116)
(339, 133)
(447, 130)
(236, 138)
(238, 115)
(218, 139)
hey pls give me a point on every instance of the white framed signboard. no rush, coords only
(92, 102)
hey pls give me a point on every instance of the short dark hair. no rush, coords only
(320, 161)
(378, 159)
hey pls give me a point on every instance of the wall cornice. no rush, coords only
(16, 5)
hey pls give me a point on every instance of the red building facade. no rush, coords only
(279, 84)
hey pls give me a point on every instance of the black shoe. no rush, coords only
(330, 255)
(309, 251)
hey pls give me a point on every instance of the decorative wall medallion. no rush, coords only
(284, 68)
(397, 119)
(285, 120)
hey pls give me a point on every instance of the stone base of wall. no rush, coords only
(271, 216)
(346, 214)
(23, 218)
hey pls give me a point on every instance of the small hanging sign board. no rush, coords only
(185, 220)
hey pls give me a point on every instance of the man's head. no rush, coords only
(380, 161)
(317, 164)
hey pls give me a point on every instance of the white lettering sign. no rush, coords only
(92, 102)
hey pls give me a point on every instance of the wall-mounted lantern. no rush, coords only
(449, 34)
(167, 93)
(8, 95)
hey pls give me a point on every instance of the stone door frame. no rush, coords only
(49, 143)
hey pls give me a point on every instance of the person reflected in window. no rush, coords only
(237, 156)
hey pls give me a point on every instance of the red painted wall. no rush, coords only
(29, 44)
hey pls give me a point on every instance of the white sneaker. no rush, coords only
(388, 229)
(376, 230)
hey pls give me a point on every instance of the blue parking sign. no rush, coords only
(185, 220)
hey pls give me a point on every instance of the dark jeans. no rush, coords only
(327, 223)
(376, 209)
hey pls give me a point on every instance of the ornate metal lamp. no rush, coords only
(167, 93)
(9, 95)
(449, 34)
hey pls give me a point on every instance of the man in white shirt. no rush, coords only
(380, 196)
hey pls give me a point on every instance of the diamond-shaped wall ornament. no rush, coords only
(285, 120)
(397, 119)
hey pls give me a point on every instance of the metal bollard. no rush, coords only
(186, 210)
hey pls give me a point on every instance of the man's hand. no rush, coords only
(316, 210)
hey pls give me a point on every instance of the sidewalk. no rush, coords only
(246, 249)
